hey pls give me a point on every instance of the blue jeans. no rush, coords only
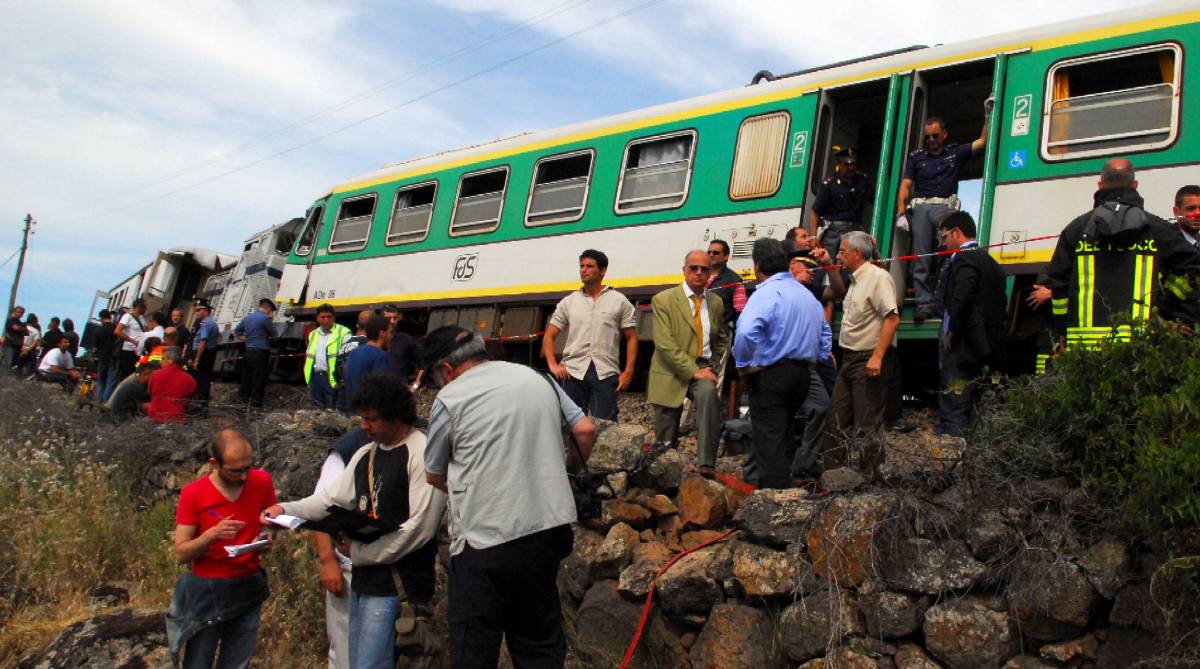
(373, 631)
(593, 395)
(319, 389)
(235, 638)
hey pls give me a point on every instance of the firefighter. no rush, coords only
(1115, 264)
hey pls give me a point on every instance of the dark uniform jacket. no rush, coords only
(842, 200)
(975, 301)
(1115, 264)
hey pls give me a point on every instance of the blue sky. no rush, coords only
(105, 106)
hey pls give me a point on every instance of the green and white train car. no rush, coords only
(488, 236)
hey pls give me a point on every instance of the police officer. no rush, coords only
(840, 201)
(929, 191)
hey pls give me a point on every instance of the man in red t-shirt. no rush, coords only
(217, 603)
(170, 389)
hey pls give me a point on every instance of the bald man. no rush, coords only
(217, 603)
(1115, 263)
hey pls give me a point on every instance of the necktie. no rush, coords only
(699, 326)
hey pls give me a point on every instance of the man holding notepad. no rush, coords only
(216, 605)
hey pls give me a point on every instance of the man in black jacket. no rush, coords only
(970, 293)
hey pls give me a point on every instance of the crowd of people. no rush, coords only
(499, 477)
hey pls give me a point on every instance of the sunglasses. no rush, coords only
(934, 136)
(703, 269)
(712, 252)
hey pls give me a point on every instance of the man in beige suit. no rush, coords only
(689, 344)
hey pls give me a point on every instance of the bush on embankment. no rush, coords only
(1123, 420)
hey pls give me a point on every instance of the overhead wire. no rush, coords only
(348, 102)
(457, 82)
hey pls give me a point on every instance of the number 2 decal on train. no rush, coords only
(464, 267)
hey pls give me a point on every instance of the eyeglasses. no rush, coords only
(714, 252)
(703, 269)
(936, 135)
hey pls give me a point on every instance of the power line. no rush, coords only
(457, 82)
(348, 102)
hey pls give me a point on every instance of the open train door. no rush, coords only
(294, 282)
(820, 163)
(909, 140)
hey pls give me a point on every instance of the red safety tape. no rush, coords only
(637, 634)
(923, 255)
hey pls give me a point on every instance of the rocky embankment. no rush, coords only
(934, 565)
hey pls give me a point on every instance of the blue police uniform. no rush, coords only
(935, 181)
(840, 204)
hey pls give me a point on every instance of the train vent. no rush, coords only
(743, 248)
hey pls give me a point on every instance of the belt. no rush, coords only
(951, 201)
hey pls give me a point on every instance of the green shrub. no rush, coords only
(1123, 420)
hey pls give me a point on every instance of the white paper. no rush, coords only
(284, 520)
(240, 549)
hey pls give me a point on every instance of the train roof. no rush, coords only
(1040, 37)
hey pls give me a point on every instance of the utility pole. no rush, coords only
(12, 296)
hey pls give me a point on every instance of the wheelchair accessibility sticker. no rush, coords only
(1016, 160)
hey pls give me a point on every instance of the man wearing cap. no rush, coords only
(929, 191)
(511, 506)
(838, 207)
(690, 342)
(204, 345)
(257, 330)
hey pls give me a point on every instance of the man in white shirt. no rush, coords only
(595, 317)
(157, 320)
(129, 331)
(57, 366)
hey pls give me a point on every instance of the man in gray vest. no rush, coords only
(511, 506)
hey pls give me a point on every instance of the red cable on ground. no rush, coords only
(637, 634)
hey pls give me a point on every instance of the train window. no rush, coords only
(353, 223)
(412, 213)
(657, 171)
(758, 158)
(309, 236)
(560, 188)
(1114, 102)
(479, 203)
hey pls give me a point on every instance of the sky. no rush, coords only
(130, 126)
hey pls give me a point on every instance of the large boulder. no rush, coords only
(922, 455)
(817, 623)
(618, 447)
(1106, 565)
(929, 567)
(892, 615)
(842, 658)
(1125, 646)
(1075, 650)
(911, 656)
(615, 511)
(687, 592)
(1050, 597)
(775, 517)
(1135, 607)
(575, 574)
(701, 503)
(605, 624)
(664, 473)
(760, 572)
(734, 636)
(615, 552)
(842, 543)
(966, 634)
(647, 559)
(122, 638)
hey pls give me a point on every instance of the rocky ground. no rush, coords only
(933, 564)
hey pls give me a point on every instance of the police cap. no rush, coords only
(846, 155)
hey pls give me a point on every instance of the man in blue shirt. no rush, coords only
(777, 342)
(929, 191)
(205, 344)
(369, 357)
(257, 330)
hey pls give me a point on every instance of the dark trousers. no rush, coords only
(203, 376)
(126, 361)
(595, 396)
(959, 392)
(776, 394)
(856, 410)
(319, 389)
(509, 592)
(256, 365)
